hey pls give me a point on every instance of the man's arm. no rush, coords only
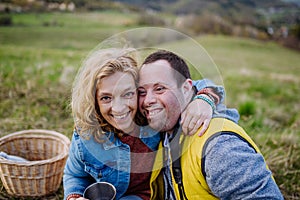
(235, 171)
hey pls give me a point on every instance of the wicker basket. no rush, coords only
(46, 151)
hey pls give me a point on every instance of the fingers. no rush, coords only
(191, 124)
(194, 124)
(193, 128)
(183, 115)
(185, 123)
(197, 113)
(204, 127)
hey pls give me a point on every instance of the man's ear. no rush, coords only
(187, 87)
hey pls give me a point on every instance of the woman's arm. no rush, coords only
(75, 179)
(210, 104)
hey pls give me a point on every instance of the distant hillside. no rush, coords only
(266, 19)
(257, 13)
(274, 12)
(198, 6)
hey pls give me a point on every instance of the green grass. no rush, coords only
(40, 55)
(262, 80)
(64, 30)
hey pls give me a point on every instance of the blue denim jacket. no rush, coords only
(90, 161)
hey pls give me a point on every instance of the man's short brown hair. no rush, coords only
(175, 62)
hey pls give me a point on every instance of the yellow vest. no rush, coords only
(193, 180)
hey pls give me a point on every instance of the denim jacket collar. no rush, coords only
(111, 141)
(149, 136)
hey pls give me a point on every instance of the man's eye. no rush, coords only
(160, 89)
(142, 92)
(129, 94)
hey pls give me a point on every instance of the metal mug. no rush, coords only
(100, 191)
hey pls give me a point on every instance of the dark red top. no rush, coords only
(142, 159)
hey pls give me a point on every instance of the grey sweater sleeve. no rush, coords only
(235, 171)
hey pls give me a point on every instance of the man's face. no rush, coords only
(160, 97)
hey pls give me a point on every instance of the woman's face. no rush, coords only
(117, 100)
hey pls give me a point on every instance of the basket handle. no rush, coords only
(41, 132)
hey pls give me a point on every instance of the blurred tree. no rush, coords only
(295, 30)
(20, 2)
(80, 3)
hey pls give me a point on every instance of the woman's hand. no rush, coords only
(197, 113)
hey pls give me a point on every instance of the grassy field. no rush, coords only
(40, 55)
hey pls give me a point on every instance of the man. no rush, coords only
(224, 163)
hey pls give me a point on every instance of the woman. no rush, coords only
(111, 142)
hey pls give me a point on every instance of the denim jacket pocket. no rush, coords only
(106, 172)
